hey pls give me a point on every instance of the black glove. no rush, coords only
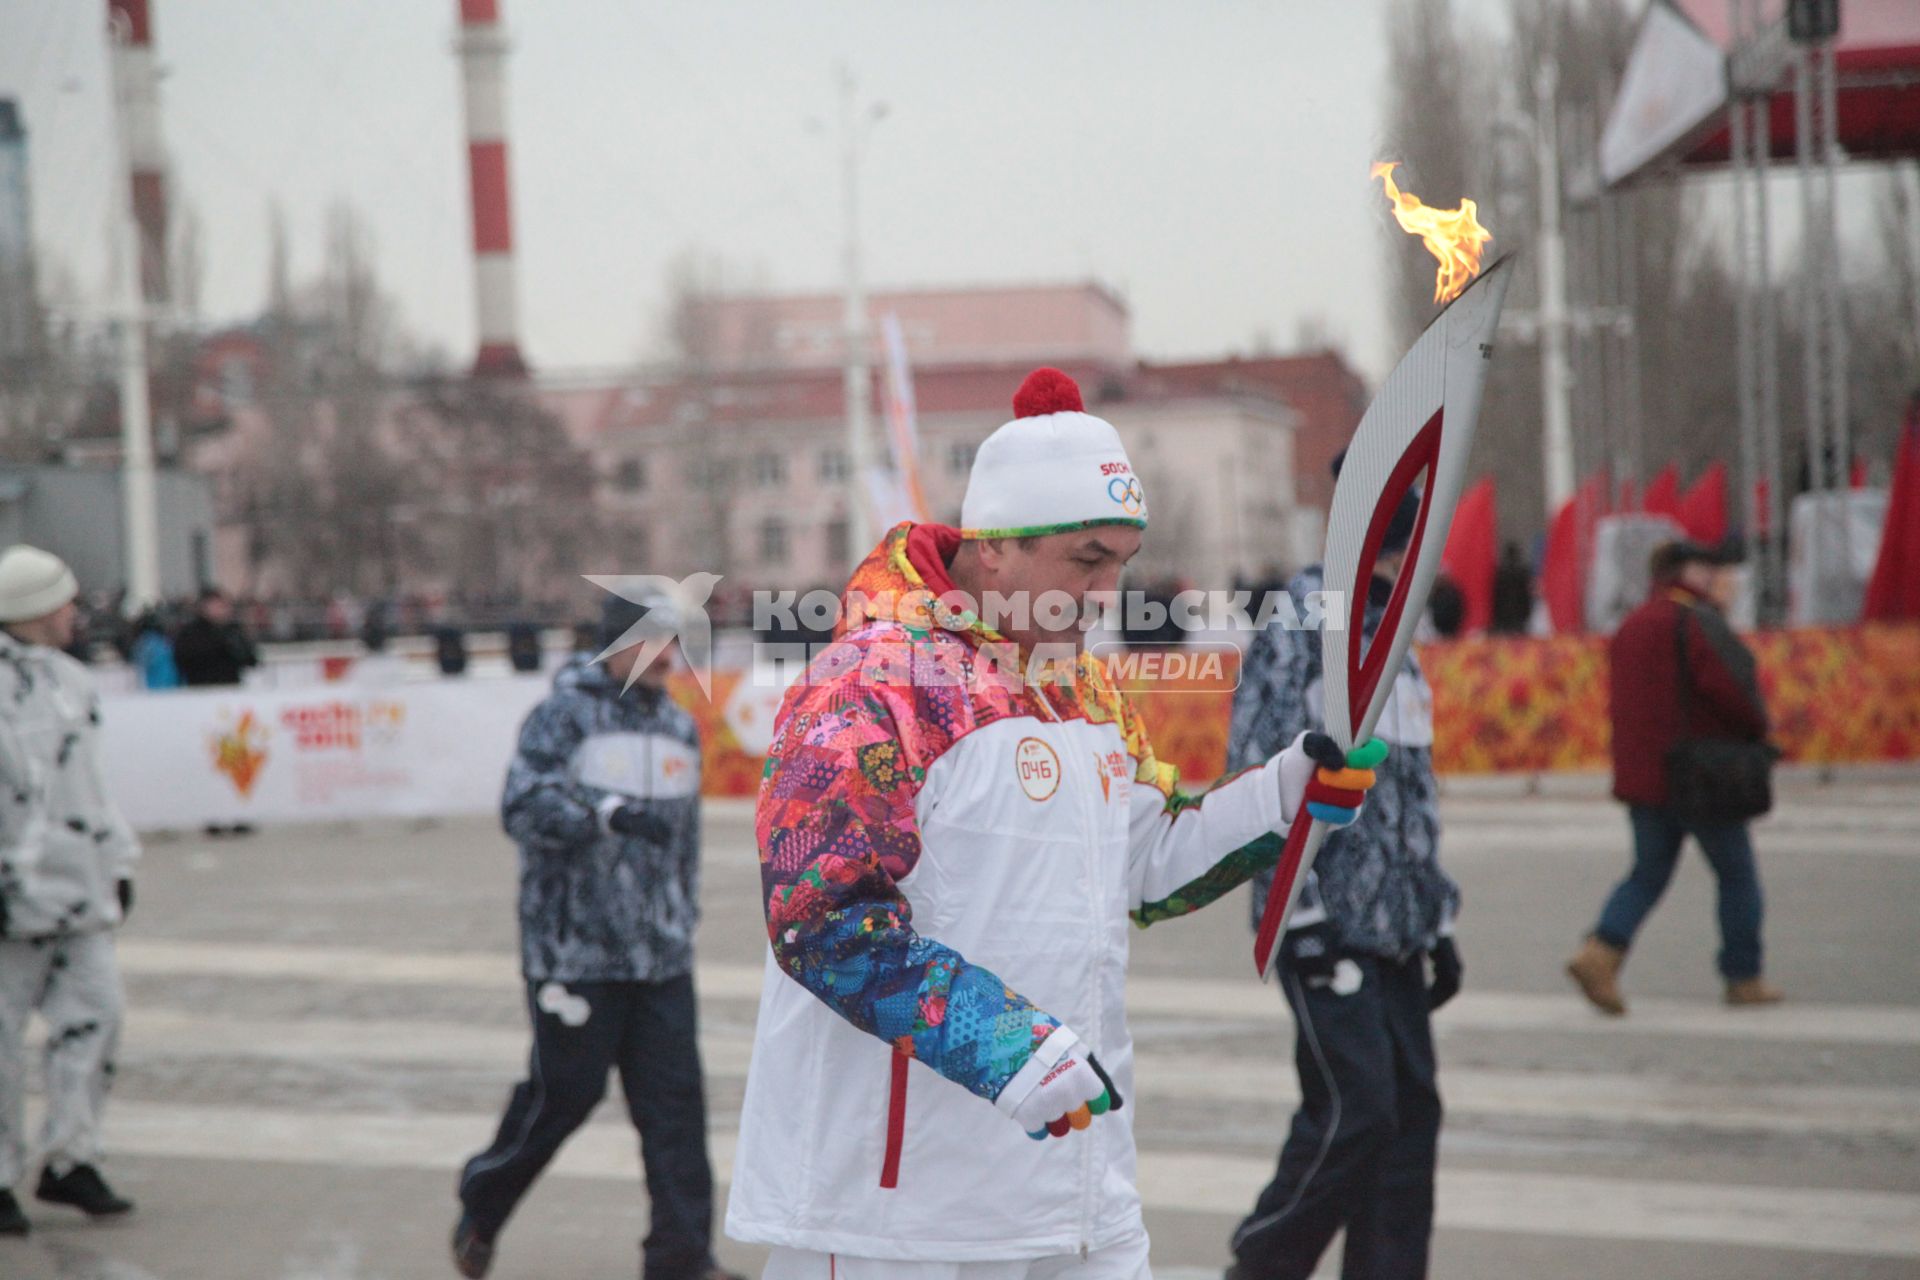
(1447, 972)
(634, 820)
(126, 898)
(1309, 952)
(1324, 751)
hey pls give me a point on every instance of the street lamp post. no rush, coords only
(1556, 382)
(139, 507)
(856, 373)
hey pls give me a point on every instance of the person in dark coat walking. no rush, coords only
(212, 648)
(1512, 592)
(1655, 705)
(603, 799)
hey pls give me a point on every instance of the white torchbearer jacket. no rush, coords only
(63, 842)
(950, 860)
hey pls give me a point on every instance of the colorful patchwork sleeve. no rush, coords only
(836, 831)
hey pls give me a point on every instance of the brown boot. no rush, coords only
(1752, 991)
(1596, 970)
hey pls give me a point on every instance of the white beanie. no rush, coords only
(33, 583)
(1053, 469)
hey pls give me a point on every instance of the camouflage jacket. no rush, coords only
(1379, 881)
(597, 906)
(63, 843)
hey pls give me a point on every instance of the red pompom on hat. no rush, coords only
(1047, 391)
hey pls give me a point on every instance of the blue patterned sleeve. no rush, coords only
(836, 830)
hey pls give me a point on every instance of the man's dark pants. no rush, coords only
(1362, 1149)
(1657, 837)
(647, 1031)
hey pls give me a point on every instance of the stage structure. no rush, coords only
(1742, 83)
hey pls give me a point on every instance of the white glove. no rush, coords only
(1061, 1089)
(1329, 784)
(1296, 771)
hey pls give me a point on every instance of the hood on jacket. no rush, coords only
(580, 673)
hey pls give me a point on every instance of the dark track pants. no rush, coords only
(581, 1030)
(1362, 1149)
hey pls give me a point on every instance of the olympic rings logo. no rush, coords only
(1126, 491)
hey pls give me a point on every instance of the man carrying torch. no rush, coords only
(951, 852)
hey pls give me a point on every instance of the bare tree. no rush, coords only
(1436, 130)
(47, 365)
(694, 348)
(1466, 125)
(318, 495)
(1887, 308)
(503, 498)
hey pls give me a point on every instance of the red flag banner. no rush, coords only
(1472, 547)
(1563, 575)
(1703, 511)
(1893, 592)
(1663, 493)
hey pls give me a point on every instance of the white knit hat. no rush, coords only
(1054, 468)
(33, 583)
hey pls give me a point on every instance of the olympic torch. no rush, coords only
(1417, 433)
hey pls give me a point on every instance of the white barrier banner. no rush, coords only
(186, 758)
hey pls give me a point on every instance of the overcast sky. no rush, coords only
(1209, 159)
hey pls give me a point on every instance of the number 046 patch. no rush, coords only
(1039, 768)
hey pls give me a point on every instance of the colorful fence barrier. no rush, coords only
(356, 750)
(1501, 704)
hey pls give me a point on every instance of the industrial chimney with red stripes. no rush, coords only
(137, 80)
(483, 63)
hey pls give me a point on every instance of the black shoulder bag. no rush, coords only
(1714, 780)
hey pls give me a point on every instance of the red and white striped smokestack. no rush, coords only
(483, 67)
(137, 79)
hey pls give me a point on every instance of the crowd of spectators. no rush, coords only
(108, 627)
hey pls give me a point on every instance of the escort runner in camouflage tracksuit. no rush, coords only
(66, 884)
(603, 799)
(1376, 908)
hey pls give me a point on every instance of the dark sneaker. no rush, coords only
(12, 1221)
(83, 1188)
(472, 1251)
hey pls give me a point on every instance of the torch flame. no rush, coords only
(1454, 236)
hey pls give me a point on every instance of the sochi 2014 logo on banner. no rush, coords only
(339, 724)
(240, 752)
(1039, 768)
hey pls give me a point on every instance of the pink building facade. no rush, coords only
(739, 466)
